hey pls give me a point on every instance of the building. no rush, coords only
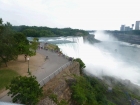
(130, 29)
(122, 28)
(137, 25)
(127, 28)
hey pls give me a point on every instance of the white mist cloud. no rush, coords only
(102, 36)
(100, 59)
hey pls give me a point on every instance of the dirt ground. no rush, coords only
(21, 66)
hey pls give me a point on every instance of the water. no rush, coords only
(110, 57)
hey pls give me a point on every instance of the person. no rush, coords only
(46, 58)
(25, 56)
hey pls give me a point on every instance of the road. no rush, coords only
(50, 65)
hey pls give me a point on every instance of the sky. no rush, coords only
(76, 14)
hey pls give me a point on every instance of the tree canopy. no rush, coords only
(25, 90)
(13, 44)
(33, 31)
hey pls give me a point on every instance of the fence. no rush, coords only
(46, 79)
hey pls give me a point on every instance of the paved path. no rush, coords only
(53, 63)
(50, 65)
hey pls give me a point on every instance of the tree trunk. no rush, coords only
(3, 60)
(5, 64)
(25, 56)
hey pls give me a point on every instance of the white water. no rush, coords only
(110, 57)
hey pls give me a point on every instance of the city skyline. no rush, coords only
(80, 14)
(129, 28)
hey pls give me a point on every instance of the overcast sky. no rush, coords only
(80, 14)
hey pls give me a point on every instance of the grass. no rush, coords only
(52, 47)
(6, 76)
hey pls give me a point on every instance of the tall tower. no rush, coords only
(132, 26)
(137, 25)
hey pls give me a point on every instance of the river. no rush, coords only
(109, 57)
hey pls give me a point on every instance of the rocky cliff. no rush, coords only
(133, 39)
(90, 39)
(59, 86)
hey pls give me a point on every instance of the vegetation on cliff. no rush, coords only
(82, 64)
(90, 90)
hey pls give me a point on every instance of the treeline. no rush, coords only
(14, 43)
(34, 31)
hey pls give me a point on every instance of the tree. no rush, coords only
(12, 44)
(34, 44)
(22, 45)
(7, 44)
(25, 90)
(82, 65)
(1, 21)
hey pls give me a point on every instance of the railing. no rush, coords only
(48, 78)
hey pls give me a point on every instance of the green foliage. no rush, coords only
(49, 93)
(33, 31)
(89, 91)
(7, 45)
(6, 75)
(53, 97)
(57, 48)
(25, 90)
(63, 102)
(22, 44)
(34, 44)
(13, 44)
(1, 21)
(82, 65)
(1, 25)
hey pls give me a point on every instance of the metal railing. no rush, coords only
(51, 76)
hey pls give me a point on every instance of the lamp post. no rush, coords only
(28, 64)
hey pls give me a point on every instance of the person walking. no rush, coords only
(46, 58)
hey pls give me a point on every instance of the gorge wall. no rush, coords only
(133, 39)
(59, 85)
(90, 39)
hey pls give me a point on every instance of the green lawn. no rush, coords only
(6, 76)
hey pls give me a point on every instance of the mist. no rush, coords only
(110, 57)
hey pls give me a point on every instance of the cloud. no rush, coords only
(82, 14)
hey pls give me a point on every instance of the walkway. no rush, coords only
(50, 65)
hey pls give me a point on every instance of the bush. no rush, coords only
(82, 65)
(25, 90)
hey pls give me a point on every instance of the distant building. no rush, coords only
(122, 28)
(127, 28)
(132, 26)
(137, 25)
(130, 29)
